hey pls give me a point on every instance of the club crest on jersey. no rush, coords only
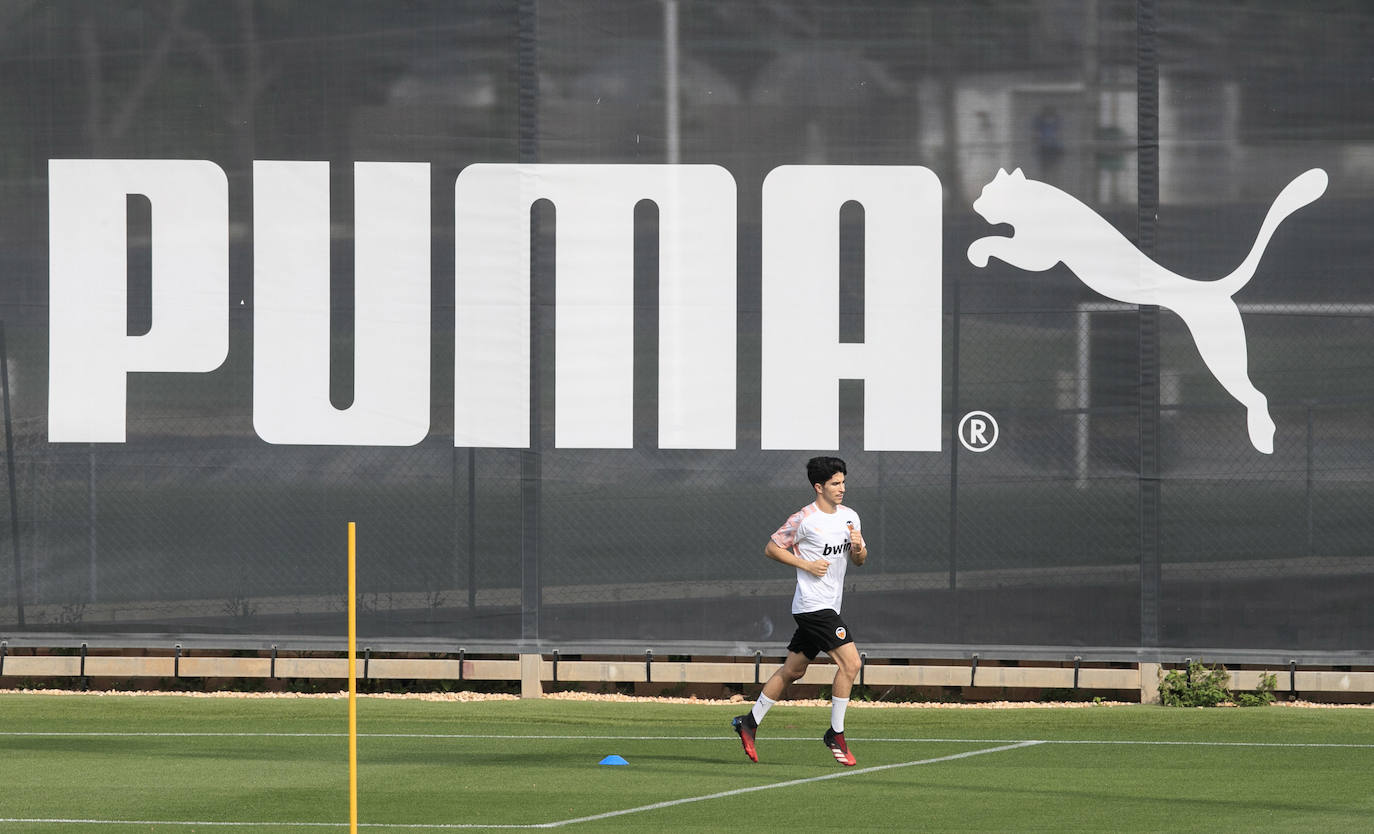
(840, 632)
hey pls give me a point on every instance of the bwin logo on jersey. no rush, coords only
(835, 549)
(1052, 226)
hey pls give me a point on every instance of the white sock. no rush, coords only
(761, 707)
(837, 708)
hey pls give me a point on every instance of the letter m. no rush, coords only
(594, 269)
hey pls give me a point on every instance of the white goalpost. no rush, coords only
(1082, 382)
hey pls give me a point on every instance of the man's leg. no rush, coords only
(847, 663)
(792, 668)
(788, 673)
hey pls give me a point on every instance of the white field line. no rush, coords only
(790, 783)
(557, 823)
(1004, 745)
(499, 737)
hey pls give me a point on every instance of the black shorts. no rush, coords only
(818, 631)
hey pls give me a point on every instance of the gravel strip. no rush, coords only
(620, 698)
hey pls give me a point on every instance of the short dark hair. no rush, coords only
(822, 469)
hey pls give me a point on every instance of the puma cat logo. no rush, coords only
(1052, 226)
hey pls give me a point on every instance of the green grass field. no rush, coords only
(178, 763)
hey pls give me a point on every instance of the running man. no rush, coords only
(815, 540)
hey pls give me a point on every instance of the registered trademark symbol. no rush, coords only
(978, 431)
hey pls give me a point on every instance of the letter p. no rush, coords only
(90, 351)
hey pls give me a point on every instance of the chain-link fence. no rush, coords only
(1123, 507)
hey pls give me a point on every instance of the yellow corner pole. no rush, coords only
(352, 677)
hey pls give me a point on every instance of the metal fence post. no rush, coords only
(9, 471)
(1147, 172)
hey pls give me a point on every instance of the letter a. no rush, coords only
(803, 358)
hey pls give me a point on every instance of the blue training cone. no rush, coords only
(613, 760)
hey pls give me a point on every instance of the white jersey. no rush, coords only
(812, 534)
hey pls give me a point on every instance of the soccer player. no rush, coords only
(818, 540)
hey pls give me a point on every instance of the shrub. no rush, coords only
(1206, 686)
(1263, 695)
(1198, 686)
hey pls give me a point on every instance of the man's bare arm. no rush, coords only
(858, 551)
(792, 560)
